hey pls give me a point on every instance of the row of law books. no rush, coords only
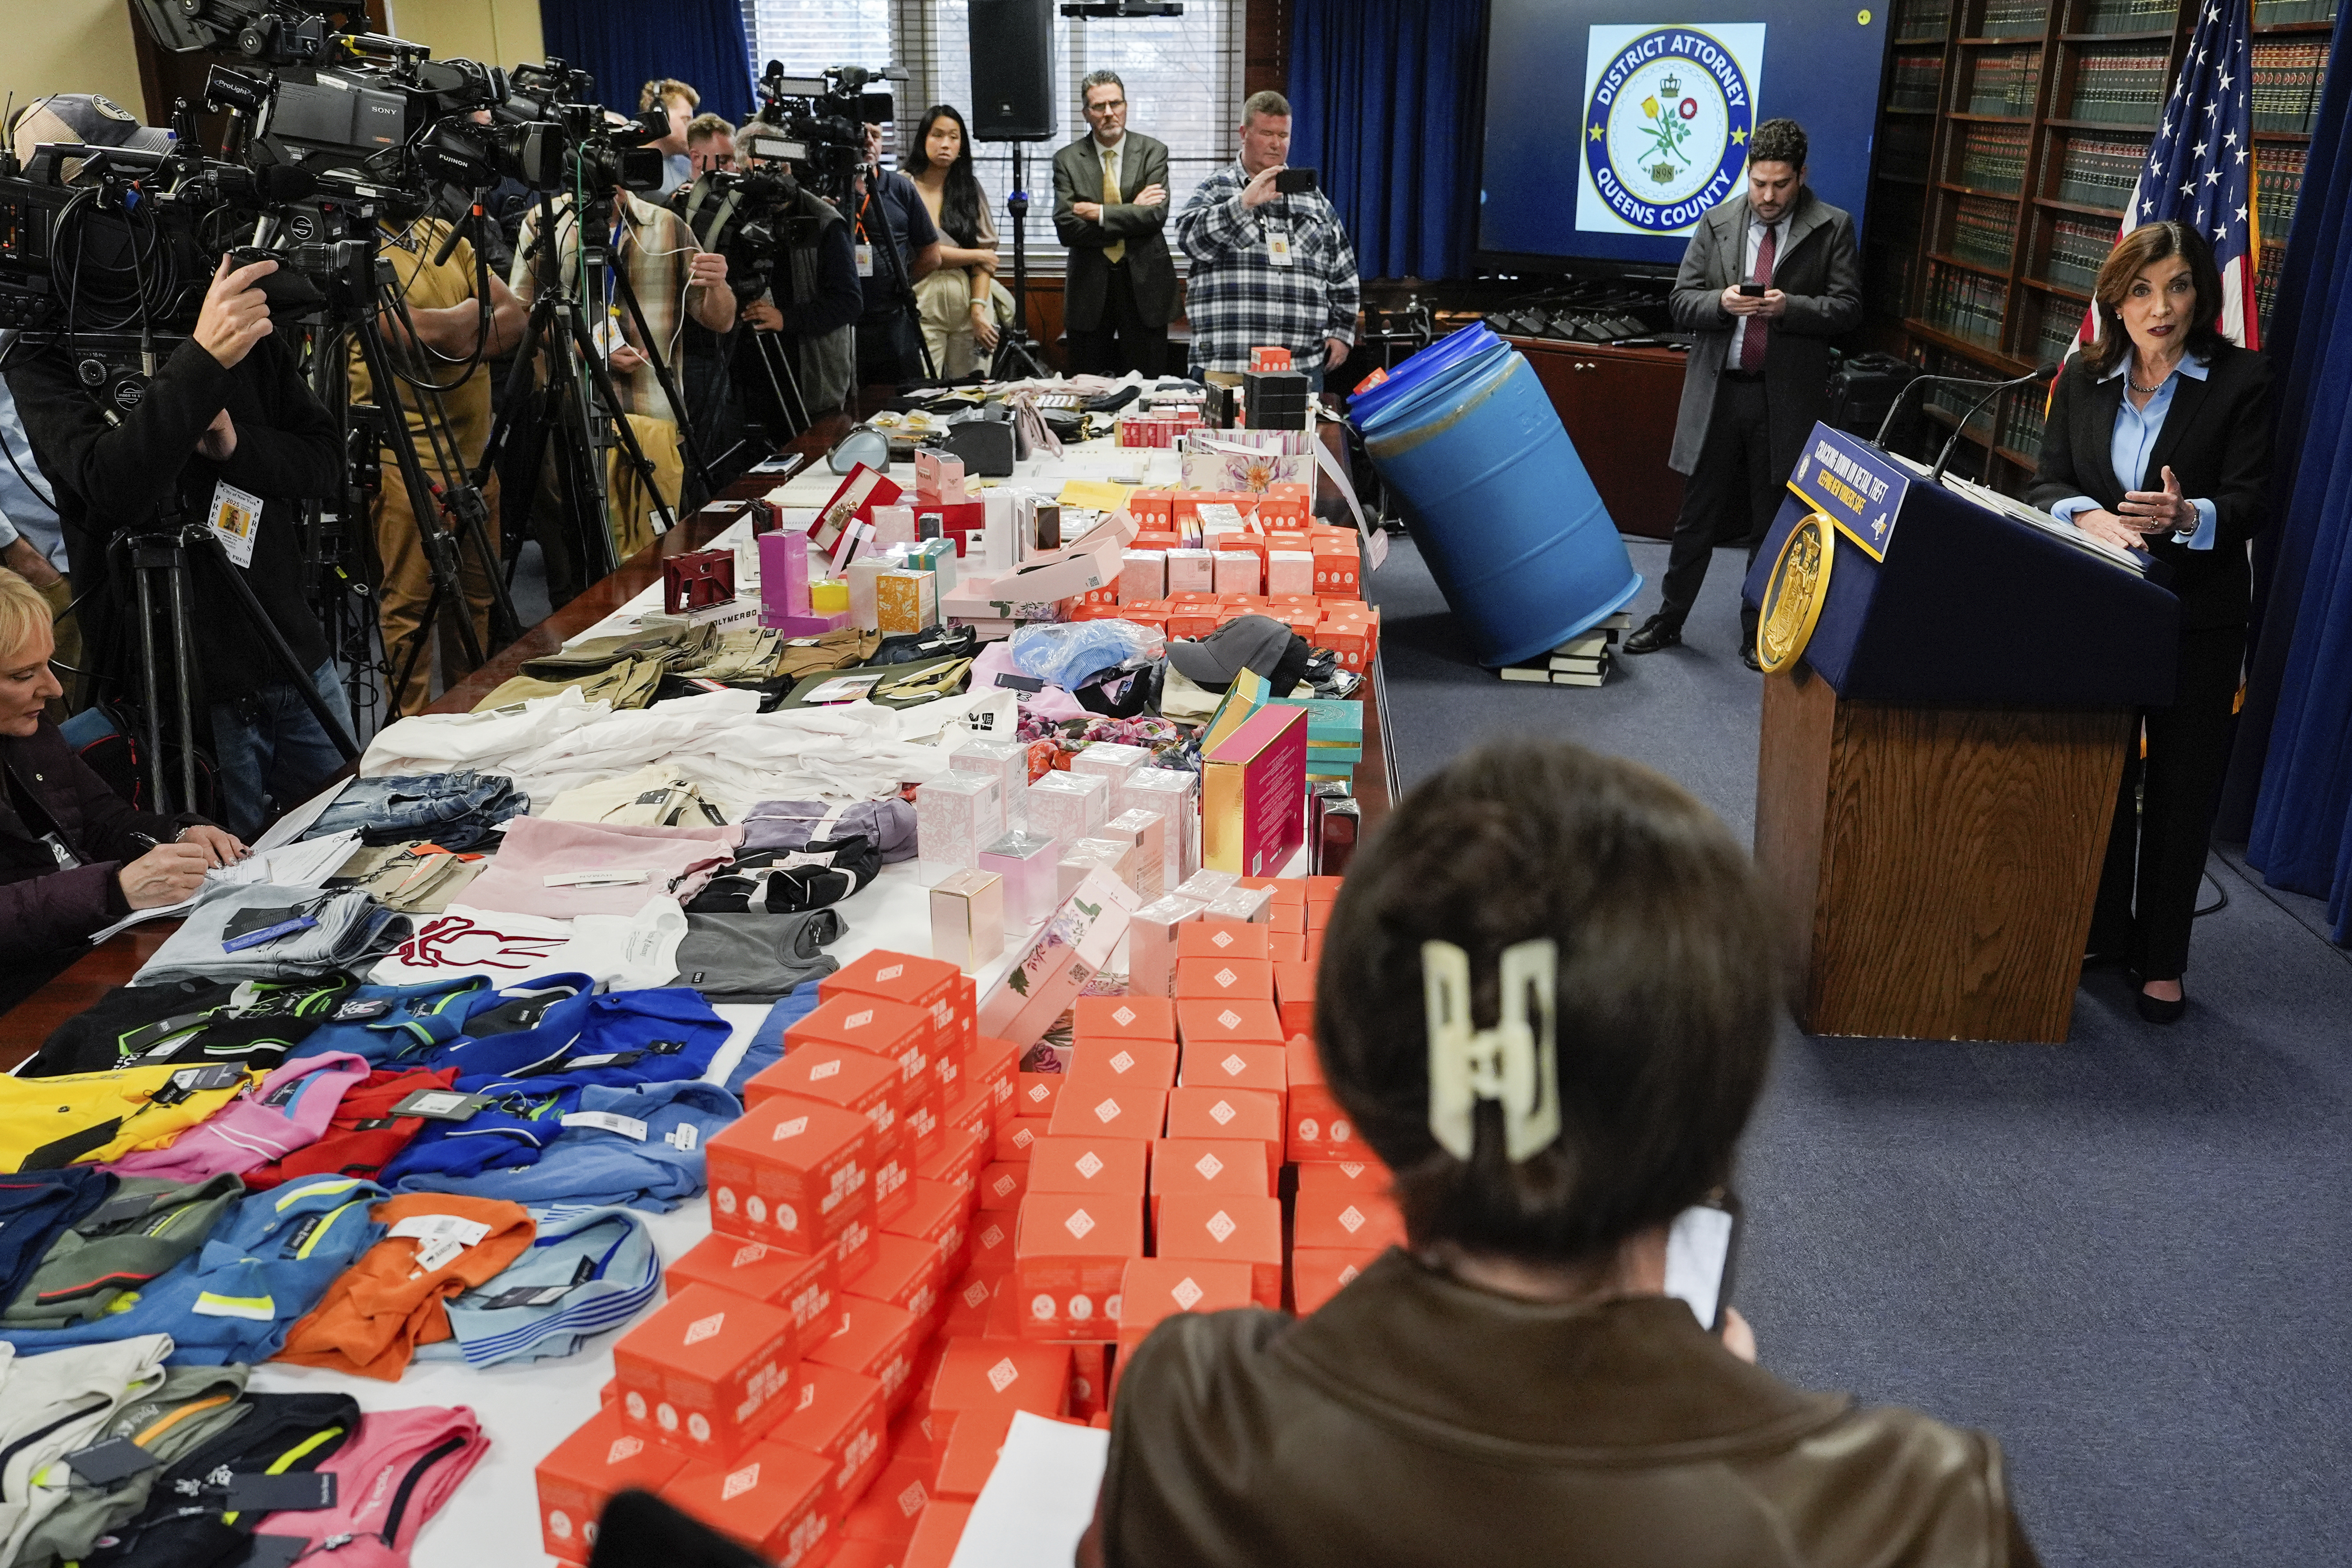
(2288, 77)
(1964, 304)
(2005, 84)
(1916, 81)
(2100, 173)
(1924, 20)
(2010, 18)
(2270, 13)
(1992, 157)
(2126, 15)
(2278, 180)
(2120, 86)
(2077, 249)
(1983, 231)
(1904, 147)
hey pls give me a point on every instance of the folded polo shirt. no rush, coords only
(391, 1475)
(191, 1407)
(381, 1308)
(190, 1020)
(363, 1135)
(141, 1231)
(186, 1523)
(264, 1266)
(36, 1208)
(619, 1039)
(560, 869)
(756, 957)
(392, 1024)
(589, 1270)
(86, 1118)
(513, 1131)
(639, 1147)
(347, 930)
(287, 1111)
(54, 1404)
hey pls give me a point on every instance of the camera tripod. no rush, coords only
(884, 243)
(581, 406)
(1019, 356)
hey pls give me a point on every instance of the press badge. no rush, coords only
(1278, 246)
(234, 518)
(866, 261)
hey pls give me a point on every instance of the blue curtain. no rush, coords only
(627, 43)
(2294, 751)
(1384, 100)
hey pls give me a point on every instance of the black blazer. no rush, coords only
(1151, 270)
(2216, 439)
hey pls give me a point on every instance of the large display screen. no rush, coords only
(1612, 127)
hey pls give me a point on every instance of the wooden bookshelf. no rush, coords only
(2020, 91)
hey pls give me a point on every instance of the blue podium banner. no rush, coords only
(1857, 487)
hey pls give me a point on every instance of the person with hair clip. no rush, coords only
(959, 303)
(2159, 439)
(1546, 997)
(74, 856)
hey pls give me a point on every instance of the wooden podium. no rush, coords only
(1937, 768)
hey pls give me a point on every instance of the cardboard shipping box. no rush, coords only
(705, 1372)
(1070, 1252)
(793, 1174)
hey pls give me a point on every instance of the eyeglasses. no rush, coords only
(1106, 107)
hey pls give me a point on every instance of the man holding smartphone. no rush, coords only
(1271, 265)
(1770, 276)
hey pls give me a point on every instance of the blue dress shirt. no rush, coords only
(2134, 439)
(25, 509)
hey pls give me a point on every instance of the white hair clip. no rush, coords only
(1512, 1062)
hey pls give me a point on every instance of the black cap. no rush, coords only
(1248, 642)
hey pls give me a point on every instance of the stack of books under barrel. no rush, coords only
(1582, 660)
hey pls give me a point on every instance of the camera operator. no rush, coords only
(822, 299)
(229, 408)
(886, 205)
(709, 144)
(672, 278)
(444, 307)
(679, 102)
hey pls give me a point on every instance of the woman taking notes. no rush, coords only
(2159, 439)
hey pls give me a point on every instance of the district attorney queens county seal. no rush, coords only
(1666, 124)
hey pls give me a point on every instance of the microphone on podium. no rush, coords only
(2042, 372)
(2039, 372)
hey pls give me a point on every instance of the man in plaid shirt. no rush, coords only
(1267, 269)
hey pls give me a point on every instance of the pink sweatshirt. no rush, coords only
(412, 1459)
(291, 1111)
(673, 861)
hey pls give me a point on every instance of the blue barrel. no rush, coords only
(1439, 365)
(1499, 500)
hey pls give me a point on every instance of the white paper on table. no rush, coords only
(297, 822)
(303, 864)
(1040, 1497)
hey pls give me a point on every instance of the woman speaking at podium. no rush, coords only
(2159, 439)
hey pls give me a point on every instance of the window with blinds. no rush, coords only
(1184, 79)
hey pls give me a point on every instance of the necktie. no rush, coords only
(1751, 346)
(1116, 252)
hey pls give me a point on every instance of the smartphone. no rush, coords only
(1753, 290)
(1292, 182)
(1701, 1247)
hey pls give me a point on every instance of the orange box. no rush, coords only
(1285, 947)
(903, 1270)
(1223, 979)
(1293, 998)
(1323, 889)
(1110, 1113)
(838, 1075)
(892, 1505)
(1220, 938)
(1314, 1126)
(1015, 1136)
(993, 1062)
(1069, 1250)
(701, 1373)
(956, 1161)
(973, 1445)
(1002, 1185)
(1225, 1227)
(1117, 1166)
(1235, 1166)
(936, 1534)
(1249, 1114)
(1089, 1378)
(890, 1150)
(932, 984)
(584, 1472)
(1362, 1175)
(1338, 1219)
(793, 1173)
(1033, 1092)
(875, 1339)
(891, 1030)
(937, 1213)
(837, 1417)
(1124, 1018)
(1112, 1065)
(1238, 1023)
(994, 1375)
(802, 1284)
(1238, 1067)
(772, 1500)
(1279, 889)
(1288, 919)
(1320, 1273)
(1159, 1288)
(991, 1241)
(967, 1302)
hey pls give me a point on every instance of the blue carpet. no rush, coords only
(2126, 1257)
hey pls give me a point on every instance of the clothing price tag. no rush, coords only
(682, 1138)
(436, 1254)
(866, 261)
(794, 859)
(362, 1011)
(441, 1105)
(275, 1550)
(235, 520)
(300, 1491)
(434, 1226)
(629, 1127)
(117, 1459)
(524, 1296)
(1278, 246)
(614, 877)
(218, 1075)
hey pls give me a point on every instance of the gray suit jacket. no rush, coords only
(1817, 268)
(1078, 177)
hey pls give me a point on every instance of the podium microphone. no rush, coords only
(2042, 372)
(1896, 406)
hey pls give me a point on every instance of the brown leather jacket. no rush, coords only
(1418, 1420)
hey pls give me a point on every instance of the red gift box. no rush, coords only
(698, 580)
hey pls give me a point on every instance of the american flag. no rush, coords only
(2200, 166)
